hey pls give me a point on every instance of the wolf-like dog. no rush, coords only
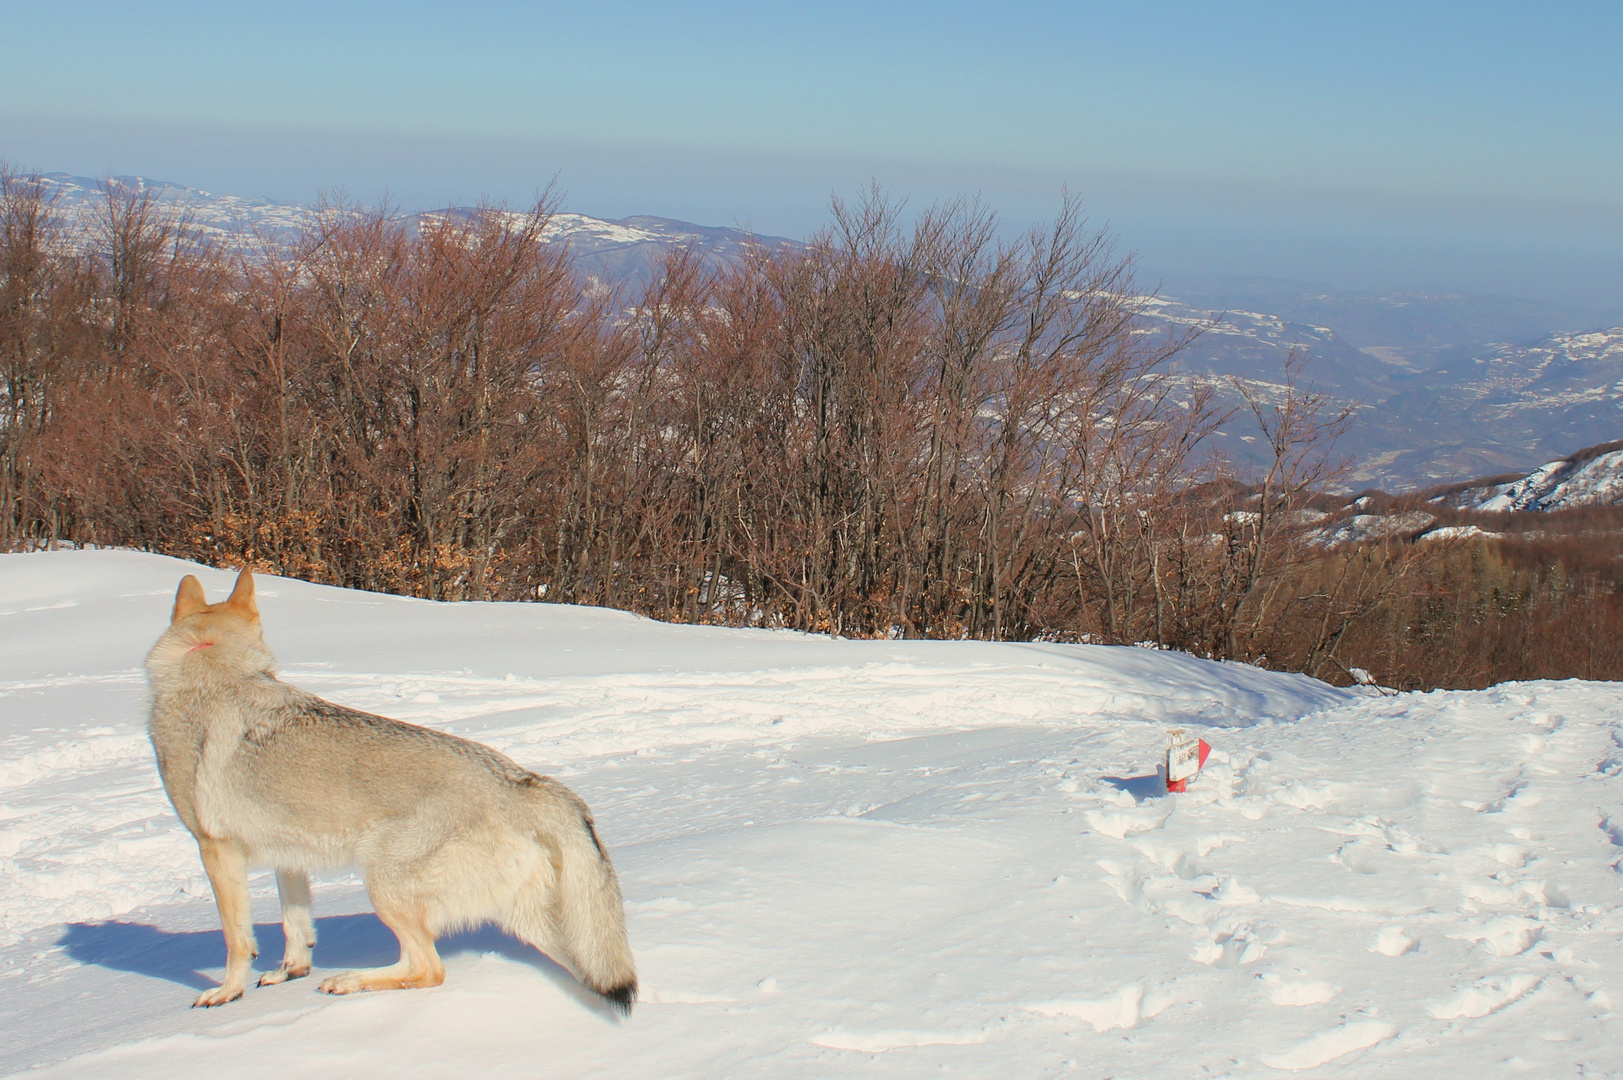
(447, 833)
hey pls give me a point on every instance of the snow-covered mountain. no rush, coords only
(82, 202)
(623, 250)
(1592, 477)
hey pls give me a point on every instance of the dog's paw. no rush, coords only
(349, 982)
(218, 996)
(283, 974)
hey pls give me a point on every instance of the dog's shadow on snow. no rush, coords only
(342, 942)
(1140, 788)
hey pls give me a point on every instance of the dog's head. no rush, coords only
(191, 603)
(229, 630)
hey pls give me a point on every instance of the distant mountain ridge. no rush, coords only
(1440, 394)
(1484, 409)
(79, 199)
(1591, 477)
(622, 250)
(1514, 405)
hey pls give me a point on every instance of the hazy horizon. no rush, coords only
(1454, 147)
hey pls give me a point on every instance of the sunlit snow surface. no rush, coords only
(841, 858)
(1560, 485)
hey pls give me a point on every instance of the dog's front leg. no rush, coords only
(293, 886)
(227, 866)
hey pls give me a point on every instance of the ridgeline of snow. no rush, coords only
(1459, 532)
(600, 244)
(81, 203)
(1560, 485)
(893, 858)
(1363, 528)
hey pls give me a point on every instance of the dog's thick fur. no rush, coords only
(448, 833)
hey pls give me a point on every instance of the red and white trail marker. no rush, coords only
(1186, 756)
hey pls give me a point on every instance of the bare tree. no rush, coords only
(44, 307)
(1299, 427)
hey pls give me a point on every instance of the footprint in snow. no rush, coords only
(1173, 858)
(1519, 796)
(1395, 941)
(1128, 884)
(1122, 824)
(1311, 796)
(1297, 992)
(1331, 1044)
(1506, 935)
(1550, 722)
(1229, 948)
(1128, 1007)
(1485, 996)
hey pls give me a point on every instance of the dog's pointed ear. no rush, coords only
(189, 599)
(241, 600)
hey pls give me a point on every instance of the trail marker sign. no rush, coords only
(1185, 758)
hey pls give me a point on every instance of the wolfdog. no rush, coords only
(448, 834)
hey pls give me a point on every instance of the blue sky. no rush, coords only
(1471, 146)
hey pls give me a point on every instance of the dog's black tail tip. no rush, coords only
(622, 997)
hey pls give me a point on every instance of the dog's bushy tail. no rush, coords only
(581, 919)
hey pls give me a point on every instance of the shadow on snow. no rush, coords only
(1140, 788)
(342, 942)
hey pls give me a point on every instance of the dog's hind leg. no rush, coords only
(293, 886)
(227, 866)
(419, 964)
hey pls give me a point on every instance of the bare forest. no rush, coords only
(918, 430)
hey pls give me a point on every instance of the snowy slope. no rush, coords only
(1560, 485)
(1366, 528)
(886, 858)
(81, 202)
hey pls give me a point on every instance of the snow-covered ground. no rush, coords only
(841, 858)
(1364, 528)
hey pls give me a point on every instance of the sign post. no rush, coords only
(1186, 756)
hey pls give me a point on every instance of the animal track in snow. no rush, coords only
(1173, 858)
(1505, 935)
(1521, 796)
(1121, 824)
(1395, 941)
(1485, 996)
(1231, 946)
(1128, 1007)
(1329, 1045)
(1311, 796)
(1551, 723)
(1294, 992)
(1232, 892)
(1127, 882)
(1500, 892)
